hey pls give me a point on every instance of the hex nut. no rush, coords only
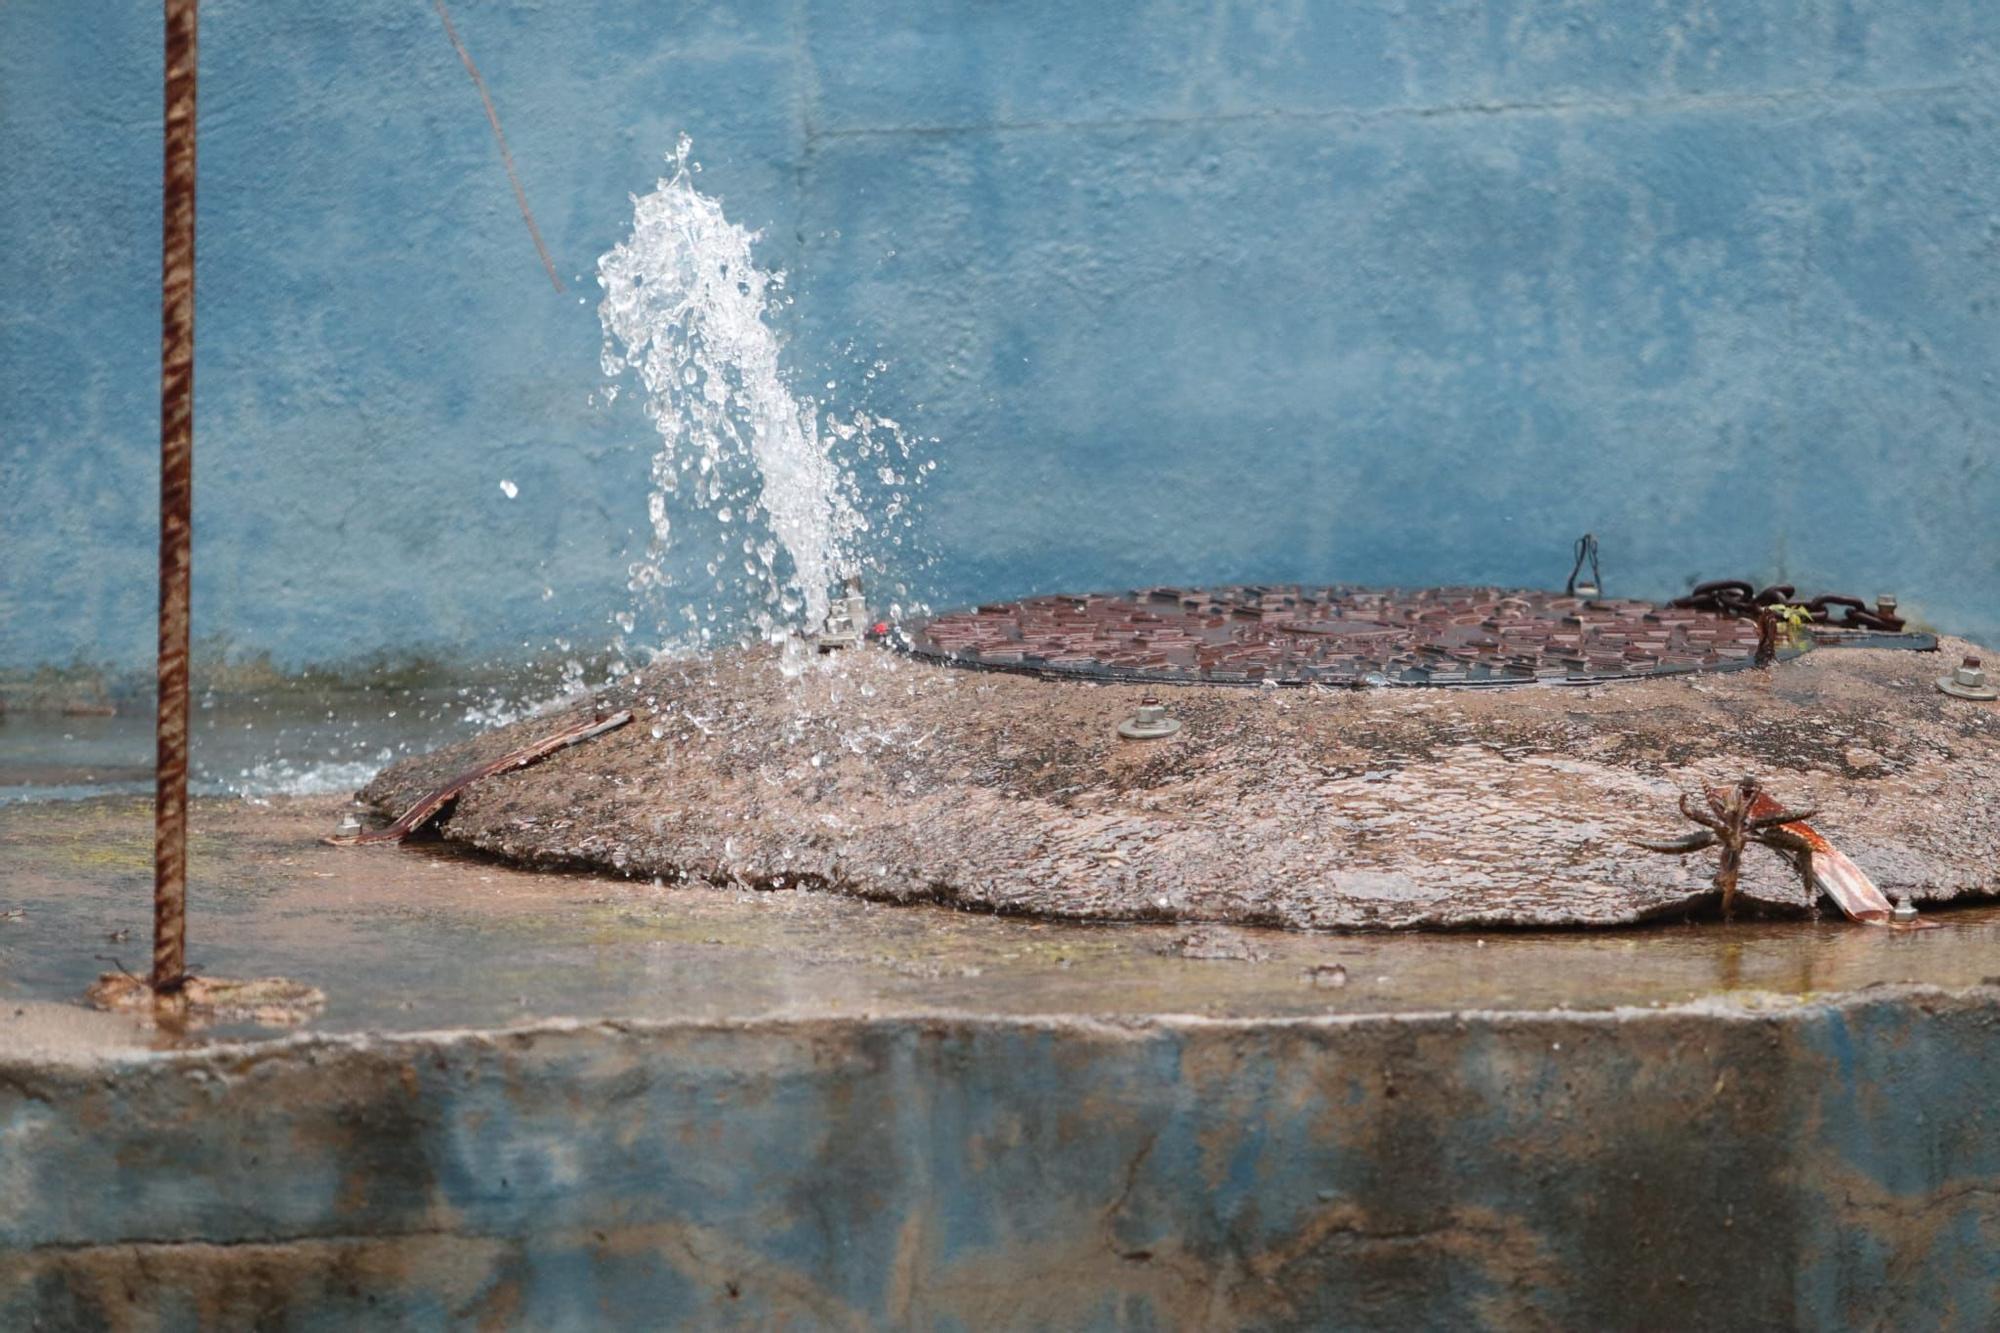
(1149, 723)
(1969, 682)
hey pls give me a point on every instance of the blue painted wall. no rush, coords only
(1374, 289)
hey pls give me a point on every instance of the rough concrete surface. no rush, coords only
(571, 1101)
(902, 781)
(1825, 1165)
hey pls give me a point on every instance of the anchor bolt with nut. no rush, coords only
(1969, 682)
(1149, 723)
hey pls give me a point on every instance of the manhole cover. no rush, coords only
(1338, 636)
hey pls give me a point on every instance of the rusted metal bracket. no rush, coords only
(427, 809)
(1832, 874)
(1744, 813)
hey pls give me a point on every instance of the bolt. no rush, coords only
(1149, 722)
(1968, 682)
(1905, 911)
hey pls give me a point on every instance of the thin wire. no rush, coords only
(500, 137)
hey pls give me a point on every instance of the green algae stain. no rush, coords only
(94, 840)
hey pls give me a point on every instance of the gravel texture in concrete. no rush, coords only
(901, 781)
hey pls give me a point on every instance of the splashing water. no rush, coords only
(685, 310)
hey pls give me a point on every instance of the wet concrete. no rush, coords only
(902, 781)
(559, 1100)
(429, 936)
(294, 737)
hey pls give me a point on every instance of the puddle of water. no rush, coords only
(254, 746)
(422, 937)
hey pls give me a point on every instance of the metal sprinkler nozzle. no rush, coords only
(846, 619)
(1904, 910)
(348, 826)
(1969, 682)
(1149, 723)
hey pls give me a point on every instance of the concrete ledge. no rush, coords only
(1830, 1162)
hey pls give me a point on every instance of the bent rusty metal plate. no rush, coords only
(900, 780)
(1292, 635)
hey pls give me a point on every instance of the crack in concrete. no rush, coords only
(1358, 116)
(1913, 1207)
(1109, 1219)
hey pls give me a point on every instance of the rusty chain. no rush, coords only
(1740, 598)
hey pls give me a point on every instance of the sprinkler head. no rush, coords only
(1904, 911)
(1149, 723)
(846, 619)
(1969, 682)
(348, 826)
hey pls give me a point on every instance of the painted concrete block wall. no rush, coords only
(1377, 290)
(1720, 1165)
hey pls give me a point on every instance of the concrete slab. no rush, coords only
(1821, 1165)
(566, 1101)
(902, 781)
(429, 936)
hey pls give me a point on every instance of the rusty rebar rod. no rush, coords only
(176, 499)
